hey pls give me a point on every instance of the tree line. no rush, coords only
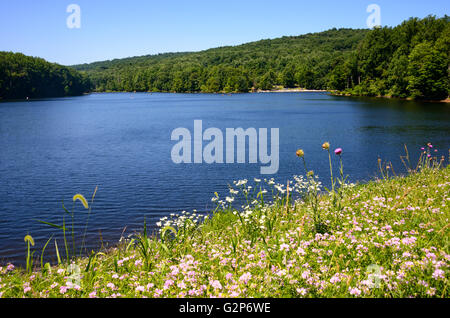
(410, 60)
(304, 60)
(23, 76)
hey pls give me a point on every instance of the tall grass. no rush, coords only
(70, 244)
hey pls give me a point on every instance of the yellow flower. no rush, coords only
(326, 146)
(300, 153)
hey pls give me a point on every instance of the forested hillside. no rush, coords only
(410, 60)
(24, 76)
(304, 60)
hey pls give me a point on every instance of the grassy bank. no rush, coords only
(386, 238)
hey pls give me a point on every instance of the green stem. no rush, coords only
(331, 171)
(28, 257)
(85, 228)
(65, 240)
(304, 164)
(73, 231)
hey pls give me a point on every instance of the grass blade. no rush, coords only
(43, 250)
(57, 253)
(52, 225)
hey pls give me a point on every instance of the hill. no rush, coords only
(409, 60)
(23, 76)
(303, 60)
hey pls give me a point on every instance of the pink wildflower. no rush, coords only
(216, 284)
(302, 291)
(63, 289)
(245, 278)
(140, 288)
(181, 285)
(438, 273)
(284, 247)
(354, 291)
(168, 283)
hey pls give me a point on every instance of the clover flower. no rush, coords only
(140, 289)
(216, 284)
(245, 278)
(354, 291)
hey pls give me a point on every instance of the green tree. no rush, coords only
(288, 76)
(305, 76)
(267, 80)
(428, 72)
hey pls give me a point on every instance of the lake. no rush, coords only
(52, 149)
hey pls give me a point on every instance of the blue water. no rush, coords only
(52, 149)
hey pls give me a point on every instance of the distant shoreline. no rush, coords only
(277, 90)
(445, 101)
(291, 90)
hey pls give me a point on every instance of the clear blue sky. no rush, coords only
(115, 29)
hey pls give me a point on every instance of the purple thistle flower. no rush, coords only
(338, 151)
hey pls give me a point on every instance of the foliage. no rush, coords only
(409, 60)
(24, 76)
(303, 60)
